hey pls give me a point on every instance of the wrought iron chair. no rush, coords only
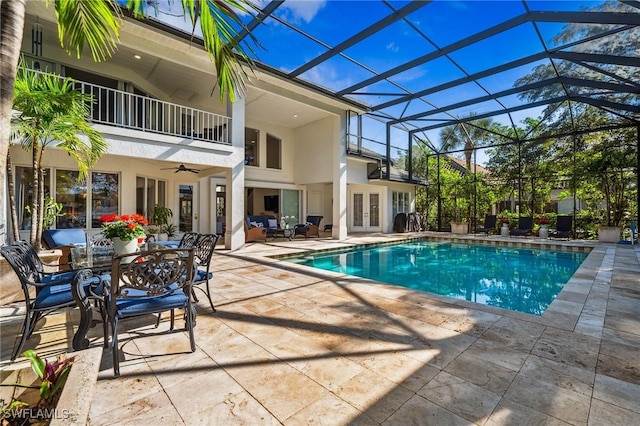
(202, 253)
(44, 292)
(189, 240)
(149, 283)
(99, 240)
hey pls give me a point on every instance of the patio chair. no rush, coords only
(254, 232)
(99, 240)
(189, 240)
(489, 225)
(525, 227)
(43, 292)
(563, 227)
(149, 283)
(202, 254)
(309, 229)
(64, 240)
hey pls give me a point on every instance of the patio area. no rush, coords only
(291, 345)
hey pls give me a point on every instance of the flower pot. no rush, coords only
(544, 231)
(124, 247)
(459, 227)
(163, 236)
(504, 230)
(609, 234)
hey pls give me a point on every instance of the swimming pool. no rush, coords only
(519, 279)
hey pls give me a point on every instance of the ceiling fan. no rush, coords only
(182, 168)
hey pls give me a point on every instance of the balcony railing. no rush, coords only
(122, 109)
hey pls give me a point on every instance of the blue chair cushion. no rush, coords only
(57, 277)
(54, 295)
(64, 237)
(202, 275)
(170, 243)
(60, 294)
(146, 305)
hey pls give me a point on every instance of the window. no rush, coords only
(149, 192)
(104, 196)
(273, 152)
(400, 202)
(251, 142)
(73, 197)
(24, 193)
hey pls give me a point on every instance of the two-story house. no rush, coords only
(280, 149)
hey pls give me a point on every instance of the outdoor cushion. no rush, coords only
(203, 275)
(273, 223)
(58, 294)
(131, 307)
(64, 237)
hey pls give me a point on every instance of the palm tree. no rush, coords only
(96, 24)
(469, 137)
(52, 113)
(466, 136)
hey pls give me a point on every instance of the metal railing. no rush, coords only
(128, 110)
(123, 109)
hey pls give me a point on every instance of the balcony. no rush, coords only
(128, 110)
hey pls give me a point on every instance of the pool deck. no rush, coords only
(294, 345)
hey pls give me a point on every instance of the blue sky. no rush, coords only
(435, 26)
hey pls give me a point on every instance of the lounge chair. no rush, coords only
(563, 227)
(489, 225)
(309, 229)
(525, 227)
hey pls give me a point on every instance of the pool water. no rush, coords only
(519, 279)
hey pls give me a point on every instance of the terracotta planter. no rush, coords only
(609, 234)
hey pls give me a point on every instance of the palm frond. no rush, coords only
(95, 24)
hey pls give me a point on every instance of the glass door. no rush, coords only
(365, 211)
(187, 214)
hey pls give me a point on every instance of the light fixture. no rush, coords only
(137, 56)
(295, 115)
(36, 38)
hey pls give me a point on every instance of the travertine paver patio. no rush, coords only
(291, 345)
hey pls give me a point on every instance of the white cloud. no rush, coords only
(303, 10)
(392, 46)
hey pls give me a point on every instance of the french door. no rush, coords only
(365, 211)
(188, 207)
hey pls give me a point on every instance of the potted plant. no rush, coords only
(160, 217)
(29, 403)
(171, 230)
(124, 231)
(609, 234)
(503, 219)
(153, 230)
(544, 222)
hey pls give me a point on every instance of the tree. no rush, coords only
(469, 136)
(52, 113)
(95, 24)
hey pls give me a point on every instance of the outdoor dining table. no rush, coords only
(98, 260)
